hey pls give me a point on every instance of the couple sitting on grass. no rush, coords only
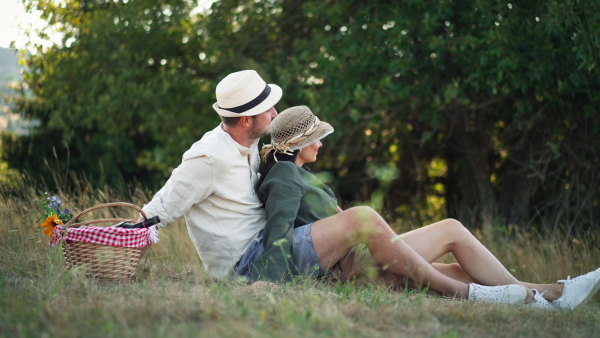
(285, 222)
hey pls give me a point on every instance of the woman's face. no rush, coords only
(308, 154)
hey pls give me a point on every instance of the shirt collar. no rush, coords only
(244, 151)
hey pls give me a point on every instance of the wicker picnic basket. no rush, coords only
(103, 262)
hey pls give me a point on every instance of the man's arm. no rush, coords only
(189, 184)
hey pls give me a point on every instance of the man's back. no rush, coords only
(214, 189)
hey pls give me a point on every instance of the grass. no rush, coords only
(173, 297)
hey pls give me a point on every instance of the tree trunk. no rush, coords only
(470, 141)
(486, 199)
(516, 192)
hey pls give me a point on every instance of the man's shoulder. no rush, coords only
(212, 144)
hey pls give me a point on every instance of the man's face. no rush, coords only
(261, 123)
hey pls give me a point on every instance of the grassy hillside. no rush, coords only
(173, 297)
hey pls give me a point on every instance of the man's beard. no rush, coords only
(257, 131)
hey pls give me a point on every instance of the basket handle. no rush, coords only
(104, 220)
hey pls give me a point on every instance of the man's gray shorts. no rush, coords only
(304, 257)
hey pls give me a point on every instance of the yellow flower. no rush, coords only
(49, 224)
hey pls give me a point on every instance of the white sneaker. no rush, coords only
(506, 294)
(539, 302)
(578, 290)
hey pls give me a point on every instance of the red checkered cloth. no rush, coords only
(115, 236)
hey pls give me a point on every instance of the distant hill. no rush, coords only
(9, 72)
(9, 67)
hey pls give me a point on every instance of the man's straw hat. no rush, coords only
(296, 128)
(245, 93)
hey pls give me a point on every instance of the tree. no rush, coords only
(501, 93)
(489, 108)
(119, 97)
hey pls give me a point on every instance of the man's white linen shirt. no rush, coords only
(214, 188)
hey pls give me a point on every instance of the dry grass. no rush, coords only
(173, 296)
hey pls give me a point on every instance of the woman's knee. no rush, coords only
(365, 214)
(366, 221)
(453, 226)
(455, 232)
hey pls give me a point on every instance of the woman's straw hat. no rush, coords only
(245, 93)
(296, 128)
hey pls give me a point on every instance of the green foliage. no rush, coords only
(120, 96)
(485, 86)
(503, 94)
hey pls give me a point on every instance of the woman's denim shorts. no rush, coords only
(304, 256)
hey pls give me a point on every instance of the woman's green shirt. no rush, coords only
(292, 197)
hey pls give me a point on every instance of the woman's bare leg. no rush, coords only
(475, 261)
(334, 236)
(454, 271)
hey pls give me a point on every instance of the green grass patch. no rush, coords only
(173, 296)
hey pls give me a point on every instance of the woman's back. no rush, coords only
(302, 196)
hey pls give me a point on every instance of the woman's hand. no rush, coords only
(339, 209)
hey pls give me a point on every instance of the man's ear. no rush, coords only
(245, 121)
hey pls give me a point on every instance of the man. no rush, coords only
(214, 186)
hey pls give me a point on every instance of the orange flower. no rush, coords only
(49, 224)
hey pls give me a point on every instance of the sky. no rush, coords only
(13, 22)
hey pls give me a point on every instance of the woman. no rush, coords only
(307, 233)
